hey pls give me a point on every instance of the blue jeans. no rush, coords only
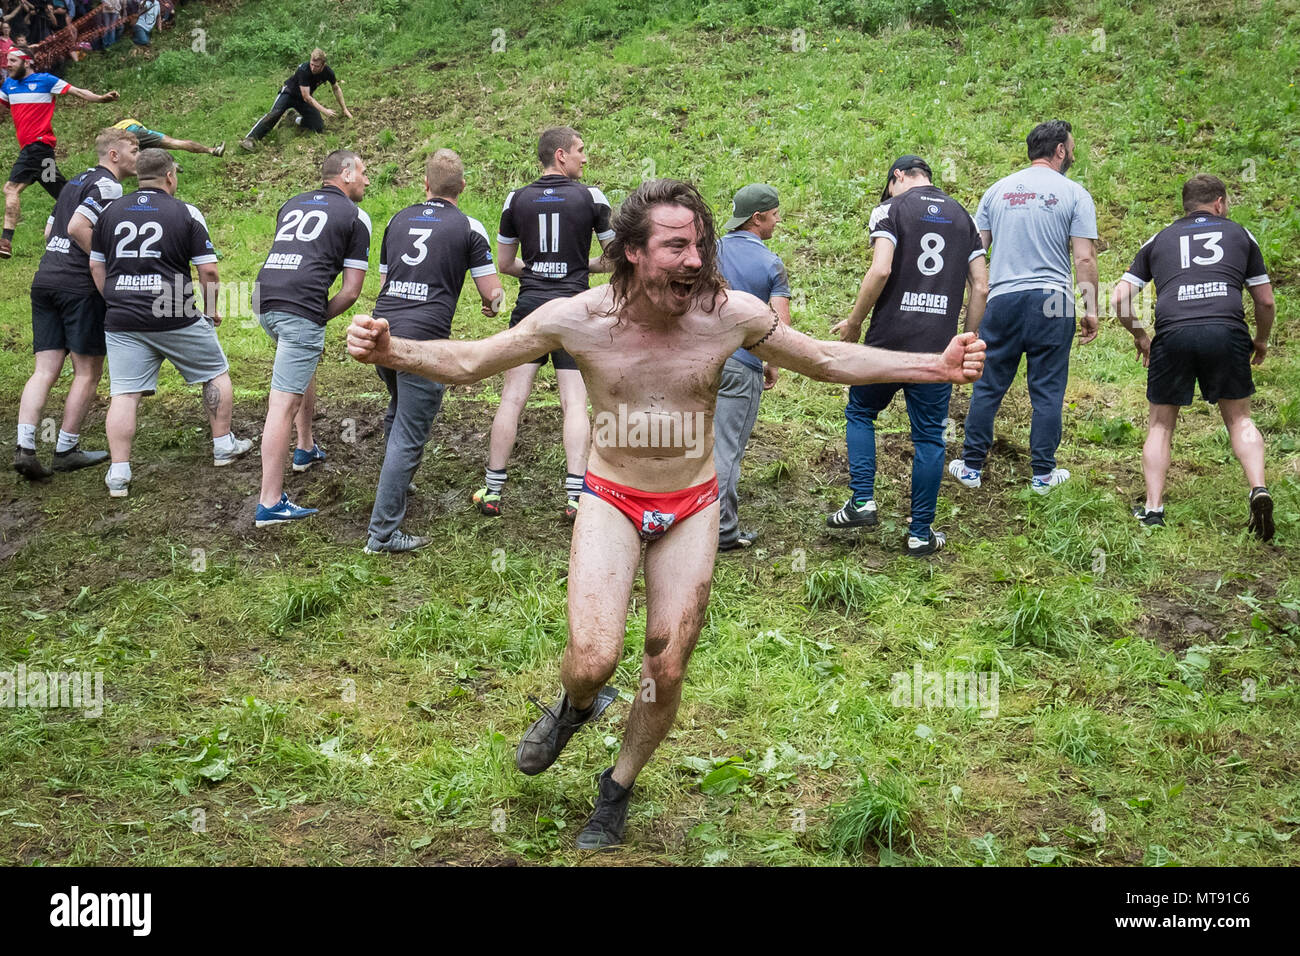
(927, 407)
(1040, 326)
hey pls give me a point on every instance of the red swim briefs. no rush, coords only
(653, 512)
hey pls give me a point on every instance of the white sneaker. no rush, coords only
(117, 487)
(220, 459)
(967, 476)
(1042, 484)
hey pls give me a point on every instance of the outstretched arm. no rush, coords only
(457, 362)
(93, 97)
(850, 364)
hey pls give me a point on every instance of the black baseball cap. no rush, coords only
(904, 163)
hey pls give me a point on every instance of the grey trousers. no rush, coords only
(414, 403)
(733, 420)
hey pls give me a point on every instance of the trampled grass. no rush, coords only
(282, 698)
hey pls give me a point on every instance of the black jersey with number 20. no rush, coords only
(147, 242)
(1199, 263)
(317, 235)
(553, 220)
(934, 240)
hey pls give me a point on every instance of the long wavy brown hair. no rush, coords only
(632, 227)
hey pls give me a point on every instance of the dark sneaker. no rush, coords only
(1261, 514)
(920, 547)
(488, 502)
(549, 733)
(28, 465)
(75, 458)
(398, 543)
(6, 248)
(745, 539)
(1152, 519)
(219, 149)
(302, 460)
(608, 821)
(571, 509)
(852, 516)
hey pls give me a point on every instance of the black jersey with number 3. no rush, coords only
(1200, 264)
(426, 251)
(147, 242)
(65, 266)
(317, 235)
(553, 220)
(934, 240)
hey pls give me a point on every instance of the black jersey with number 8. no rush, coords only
(934, 240)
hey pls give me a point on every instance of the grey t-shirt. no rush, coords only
(1033, 214)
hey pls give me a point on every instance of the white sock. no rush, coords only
(225, 444)
(120, 469)
(66, 441)
(27, 436)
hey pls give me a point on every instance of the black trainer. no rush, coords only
(544, 740)
(75, 458)
(1261, 514)
(744, 539)
(1152, 519)
(28, 465)
(851, 516)
(919, 549)
(608, 821)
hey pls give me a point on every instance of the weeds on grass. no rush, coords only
(880, 812)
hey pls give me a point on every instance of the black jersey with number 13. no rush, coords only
(1199, 263)
(934, 240)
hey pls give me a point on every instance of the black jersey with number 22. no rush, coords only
(147, 242)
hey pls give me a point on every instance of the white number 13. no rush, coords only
(1211, 241)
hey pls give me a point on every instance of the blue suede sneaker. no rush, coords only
(286, 510)
(302, 460)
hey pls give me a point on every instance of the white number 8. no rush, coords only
(930, 262)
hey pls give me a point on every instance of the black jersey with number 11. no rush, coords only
(553, 220)
(934, 240)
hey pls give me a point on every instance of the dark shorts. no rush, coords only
(36, 165)
(525, 306)
(67, 321)
(1216, 355)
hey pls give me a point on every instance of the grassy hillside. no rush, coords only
(310, 704)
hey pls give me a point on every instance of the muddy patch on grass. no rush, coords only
(1173, 625)
(20, 522)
